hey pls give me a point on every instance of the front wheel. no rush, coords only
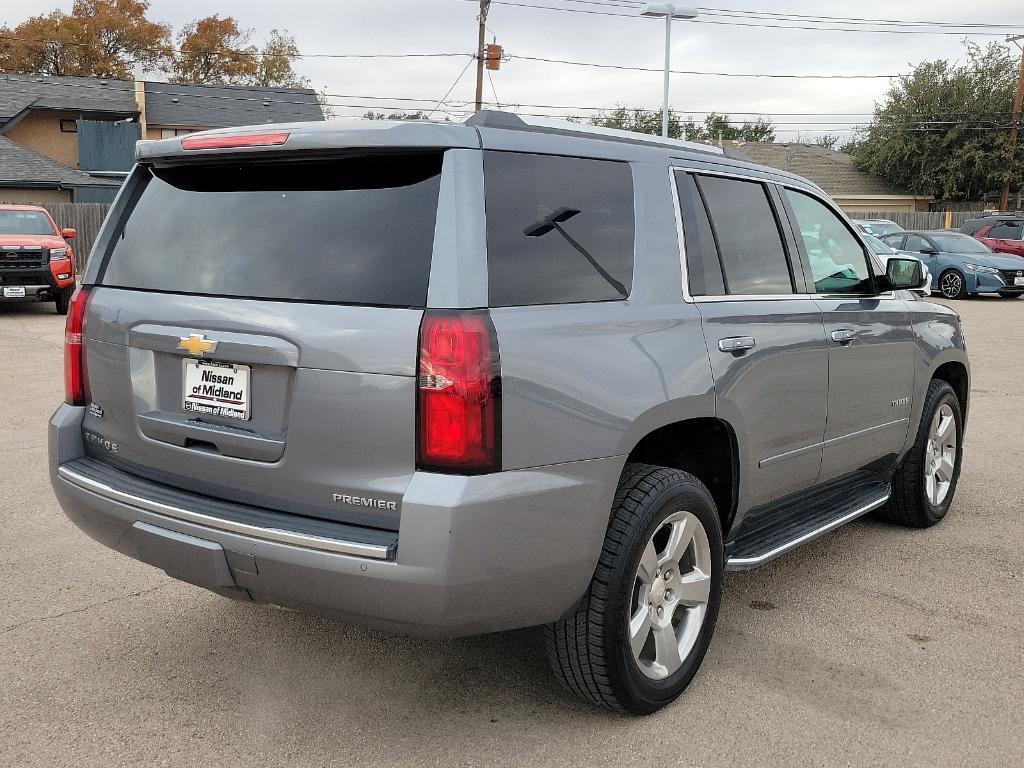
(63, 300)
(642, 629)
(924, 484)
(952, 285)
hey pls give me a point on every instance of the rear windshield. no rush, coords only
(25, 223)
(351, 231)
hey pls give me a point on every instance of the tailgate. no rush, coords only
(253, 334)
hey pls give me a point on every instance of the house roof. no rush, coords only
(203, 106)
(833, 171)
(19, 93)
(24, 167)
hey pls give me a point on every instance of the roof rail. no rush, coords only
(509, 120)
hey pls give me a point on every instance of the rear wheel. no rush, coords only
(63, 300)
(952, 285)
(924, 484)
(644, 625)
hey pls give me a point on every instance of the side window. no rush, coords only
(838, 260)
(1005, 230)
(894, 241)
(703, 267)
(559, 229)
(750, 246)
(917, 244)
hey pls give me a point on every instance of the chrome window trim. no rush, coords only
(276, 535)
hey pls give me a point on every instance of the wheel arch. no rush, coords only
(706, 447)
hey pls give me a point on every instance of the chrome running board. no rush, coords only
(750, 558)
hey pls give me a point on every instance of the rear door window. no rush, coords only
(703, 267)
(559, 229)
(750, 245)
(1005, 230)
(357, 230)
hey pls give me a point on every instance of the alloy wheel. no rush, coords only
(670, 595)
(951, 285)
(940, 455)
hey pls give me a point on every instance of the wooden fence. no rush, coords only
(919, 219)
(84, 217)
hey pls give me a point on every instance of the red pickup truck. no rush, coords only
(36, 262)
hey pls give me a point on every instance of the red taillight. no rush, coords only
(459, 394)
(238, 140)
(76, 387)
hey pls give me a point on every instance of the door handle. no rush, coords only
(844, 335)
(737, 344)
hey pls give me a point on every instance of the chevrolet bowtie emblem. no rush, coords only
(196, 344)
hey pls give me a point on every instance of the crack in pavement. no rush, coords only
(35, 619)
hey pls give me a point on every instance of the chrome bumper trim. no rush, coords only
(744, 563)
(306, 541)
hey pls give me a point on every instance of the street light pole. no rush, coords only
(668, 71)
(669, 11)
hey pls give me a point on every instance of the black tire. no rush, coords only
(909, 504)
(63, 300)
(589, 651)
(955, 278)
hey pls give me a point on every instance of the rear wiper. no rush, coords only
(554, 221)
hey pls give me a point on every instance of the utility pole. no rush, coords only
(1018, 100)
(485, 6)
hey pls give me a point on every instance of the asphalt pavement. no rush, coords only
(872, 646)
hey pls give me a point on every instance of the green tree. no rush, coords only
(419, 115)
(713, 127)
(942, 130)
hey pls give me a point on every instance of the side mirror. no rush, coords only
(903, 274)
(67, 233)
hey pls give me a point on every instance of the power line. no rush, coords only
(961, 33)
(127, 87)
(512, 57)
(457, 79)
(631, 4)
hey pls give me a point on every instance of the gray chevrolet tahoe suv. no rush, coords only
(457, 378)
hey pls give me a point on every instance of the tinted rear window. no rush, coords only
(352, 231)
(749, 242)
(559, 229)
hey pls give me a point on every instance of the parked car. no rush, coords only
(884, 251)
(1003, 233)
(36, 261)
(878, 227)
(964, 265)
(448, 379)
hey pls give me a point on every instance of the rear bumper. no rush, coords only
(473, 554)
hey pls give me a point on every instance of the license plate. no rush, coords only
(1018, 281)
(14, 292)
(216, 389)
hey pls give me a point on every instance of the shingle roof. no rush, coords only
(74, 94)
(202, 106)
(23, 166)
(833, 171)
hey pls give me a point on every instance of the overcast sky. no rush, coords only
(449, 26)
